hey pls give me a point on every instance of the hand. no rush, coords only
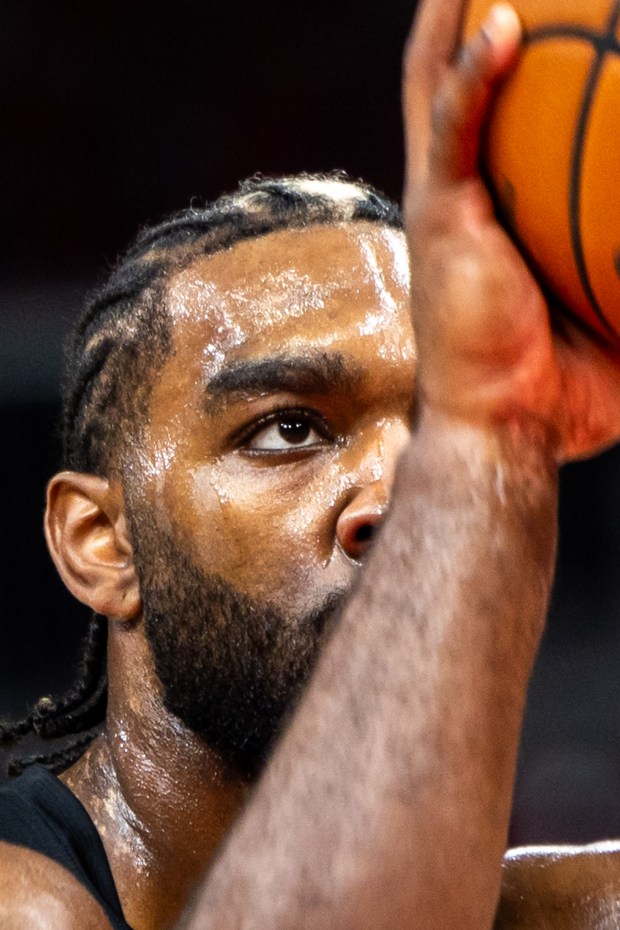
(490, 352)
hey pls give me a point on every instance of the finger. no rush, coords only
(462, 101)
(430, 47)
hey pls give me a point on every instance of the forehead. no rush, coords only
(293, 288)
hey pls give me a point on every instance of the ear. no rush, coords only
(86, 533)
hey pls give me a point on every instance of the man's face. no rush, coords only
(274, 431)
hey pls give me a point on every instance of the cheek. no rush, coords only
(268, 529)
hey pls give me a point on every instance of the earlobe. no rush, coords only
(86, 534)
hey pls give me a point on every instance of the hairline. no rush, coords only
(195, 255)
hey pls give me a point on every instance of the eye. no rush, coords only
(286, 431)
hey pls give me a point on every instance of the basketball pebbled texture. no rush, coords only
(552, 151)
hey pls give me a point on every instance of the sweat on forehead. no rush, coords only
(123, 336)
(290, 292)
(297, 314)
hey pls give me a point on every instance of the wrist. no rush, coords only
(498, 476)
(492, 492)
(526, 446)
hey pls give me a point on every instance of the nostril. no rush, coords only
(364, 534)
(358, 523)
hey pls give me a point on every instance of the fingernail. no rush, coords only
(501, 22)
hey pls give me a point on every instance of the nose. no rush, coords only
(360, 519)
(368, 500)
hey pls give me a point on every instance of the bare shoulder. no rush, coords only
(37, 893)
(568, 887)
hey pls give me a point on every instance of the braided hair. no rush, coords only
(119, 344)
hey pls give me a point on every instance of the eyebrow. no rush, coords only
(311, 373)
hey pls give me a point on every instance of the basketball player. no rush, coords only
(240, 415)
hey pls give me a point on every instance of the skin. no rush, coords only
(278, 525)
(569, 887)
(282, 522)
(505, 396)
(520, 364)
(38, 894)
(397, 769)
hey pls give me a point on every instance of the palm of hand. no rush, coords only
(489, 350)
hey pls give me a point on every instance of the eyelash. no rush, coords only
(314, 418)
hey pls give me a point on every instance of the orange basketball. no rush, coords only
(552, 152)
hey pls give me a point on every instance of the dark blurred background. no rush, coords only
(114, 114)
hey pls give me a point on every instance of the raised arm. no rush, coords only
(386, 804)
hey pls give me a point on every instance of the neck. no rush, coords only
(161, 799)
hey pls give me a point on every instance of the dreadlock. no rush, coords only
(119, 345)
(80, 711)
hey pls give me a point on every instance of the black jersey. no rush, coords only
(39, 812)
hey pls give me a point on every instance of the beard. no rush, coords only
(231, 668)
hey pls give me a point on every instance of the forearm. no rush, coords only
(387, 802)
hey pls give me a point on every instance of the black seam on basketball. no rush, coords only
(602, 41)
(602, 48)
